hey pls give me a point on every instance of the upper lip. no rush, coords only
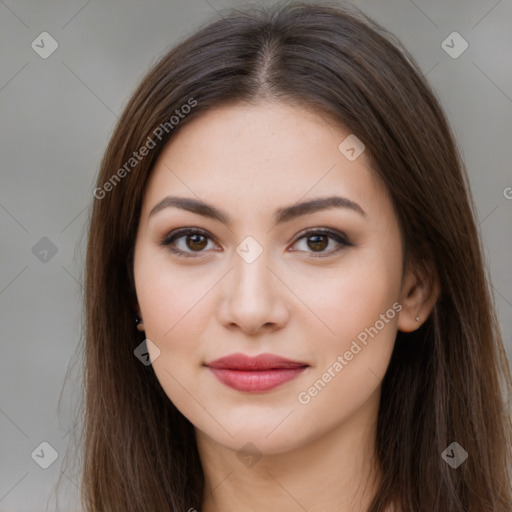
(260, 362)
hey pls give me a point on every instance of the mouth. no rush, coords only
(255, 374)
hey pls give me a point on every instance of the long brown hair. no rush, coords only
(446, 382)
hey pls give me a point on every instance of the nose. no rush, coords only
(254, 297)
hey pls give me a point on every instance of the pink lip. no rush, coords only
(253, 374)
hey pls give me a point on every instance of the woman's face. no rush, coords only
(318, 285)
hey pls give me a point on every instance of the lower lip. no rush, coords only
(256, 380)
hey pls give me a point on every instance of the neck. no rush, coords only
(335, 472)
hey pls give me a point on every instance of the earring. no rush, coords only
(417, 319)
(140, 325)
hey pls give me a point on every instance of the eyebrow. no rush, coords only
(281, 215)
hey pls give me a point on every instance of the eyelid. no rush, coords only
(175, 234)
(338, 236)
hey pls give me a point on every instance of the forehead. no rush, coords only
(259, 155)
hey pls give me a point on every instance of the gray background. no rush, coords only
(56, 117)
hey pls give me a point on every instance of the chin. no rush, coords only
(258, 439)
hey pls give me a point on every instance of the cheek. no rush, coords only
(362, 311)
(347, 299)
(358, 302)
(174, 309)
(170, 298)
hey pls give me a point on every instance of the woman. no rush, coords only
(286, 300)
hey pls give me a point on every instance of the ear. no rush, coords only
(419, 293)
(140, 324)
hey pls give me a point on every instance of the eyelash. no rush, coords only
(181, 232)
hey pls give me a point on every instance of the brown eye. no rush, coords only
(315, 242)
(318, 242)
(186, 241)
(196, 242)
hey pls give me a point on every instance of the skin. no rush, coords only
(249, 160)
